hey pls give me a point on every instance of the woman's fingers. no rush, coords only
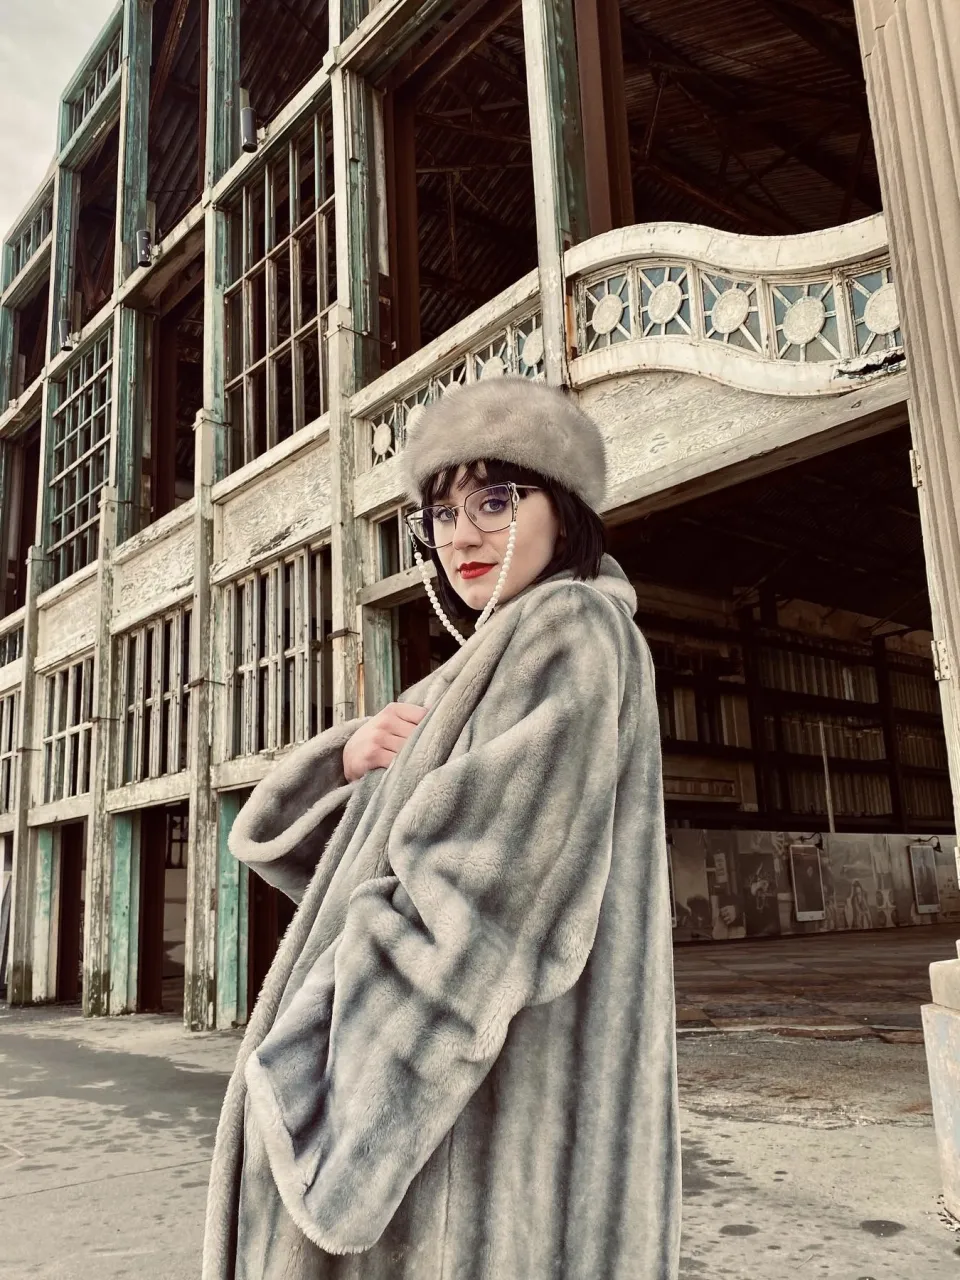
(407, 712)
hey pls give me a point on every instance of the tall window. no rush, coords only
(155, 677)
(9, 745)
(283, 278)
(67, 730)
(30, 238)
(19, 481)
(278, 654)
(94, 87)
(80, 458)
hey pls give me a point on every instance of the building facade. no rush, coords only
(272, 233)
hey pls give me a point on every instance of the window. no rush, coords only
(68, 726)
(26, 244)
(154, 662)
(283, 278)
(30, 324)
(278, 658)
(9, 746)
(80, 458)
(11, 646)
(19, 481)
(394, 544)
(94, 87)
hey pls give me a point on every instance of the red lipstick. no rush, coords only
(474, 570)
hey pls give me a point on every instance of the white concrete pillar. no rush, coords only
(911, 54)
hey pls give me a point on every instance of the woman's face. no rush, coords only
(537, 532)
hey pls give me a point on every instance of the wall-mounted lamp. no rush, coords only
(144, 249)
(248, 130)
(63, 332)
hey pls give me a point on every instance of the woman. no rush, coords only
(462, 1065)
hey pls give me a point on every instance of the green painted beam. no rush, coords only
(556, 141)
(223, 83)
(128, 420)
(6, 357)
(64, 226)
(134, 132)
(125, 913)
(232, 920)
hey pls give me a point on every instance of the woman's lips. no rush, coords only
(474, 570)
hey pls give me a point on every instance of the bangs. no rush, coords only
(481, 472)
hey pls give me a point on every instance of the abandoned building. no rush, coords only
(274, 231)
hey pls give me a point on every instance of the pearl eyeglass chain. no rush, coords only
(498, 588)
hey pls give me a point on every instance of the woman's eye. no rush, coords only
(443, 515)
(493, 506)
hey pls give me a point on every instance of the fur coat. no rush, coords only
(462, 1063)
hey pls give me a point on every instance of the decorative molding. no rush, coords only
(791, 316)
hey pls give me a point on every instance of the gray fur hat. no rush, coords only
(511, 419)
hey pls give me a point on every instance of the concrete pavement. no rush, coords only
(803, 1153)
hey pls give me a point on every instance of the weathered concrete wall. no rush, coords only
(154, 568)
(67, 621)
(665, 430)
(280, 510)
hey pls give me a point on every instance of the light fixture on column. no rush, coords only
(144, 248)
(63, 332)
(248, 130)
(248, 124)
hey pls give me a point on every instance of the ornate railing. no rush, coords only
(505, 336)
(807, 312)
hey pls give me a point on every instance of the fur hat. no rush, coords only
(509, 419)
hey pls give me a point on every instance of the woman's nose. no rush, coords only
(466, 533)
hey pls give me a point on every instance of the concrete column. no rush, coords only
(911, 53)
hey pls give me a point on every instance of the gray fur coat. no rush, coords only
(462, 1063)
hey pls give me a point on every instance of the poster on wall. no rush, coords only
(761, 909)
(925, 889)
(807, 882)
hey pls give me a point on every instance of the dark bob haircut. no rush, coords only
(578, 551)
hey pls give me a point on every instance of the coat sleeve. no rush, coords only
(282, 830)
(500, 859)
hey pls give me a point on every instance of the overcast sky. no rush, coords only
(42, 43)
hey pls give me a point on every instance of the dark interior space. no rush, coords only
(841, 529)
(164, 834)
(92, 282)
(422, 643)
(18, 514)
(803, 633)
(72, 838)
(270, 913)
(32, 323)
(177, 109)
(282, 46)
(459, 172)
(749, 115)
(176, 357)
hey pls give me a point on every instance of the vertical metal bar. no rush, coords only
(826, 778)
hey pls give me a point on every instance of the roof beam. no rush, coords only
(455, 41)
(841, 48)
(168, 51)
(715, 96)
(709, 193)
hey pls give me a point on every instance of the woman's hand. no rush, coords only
(376, 743)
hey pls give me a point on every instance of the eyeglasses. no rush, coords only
(491, 510)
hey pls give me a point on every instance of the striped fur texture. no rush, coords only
(462, 1065)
